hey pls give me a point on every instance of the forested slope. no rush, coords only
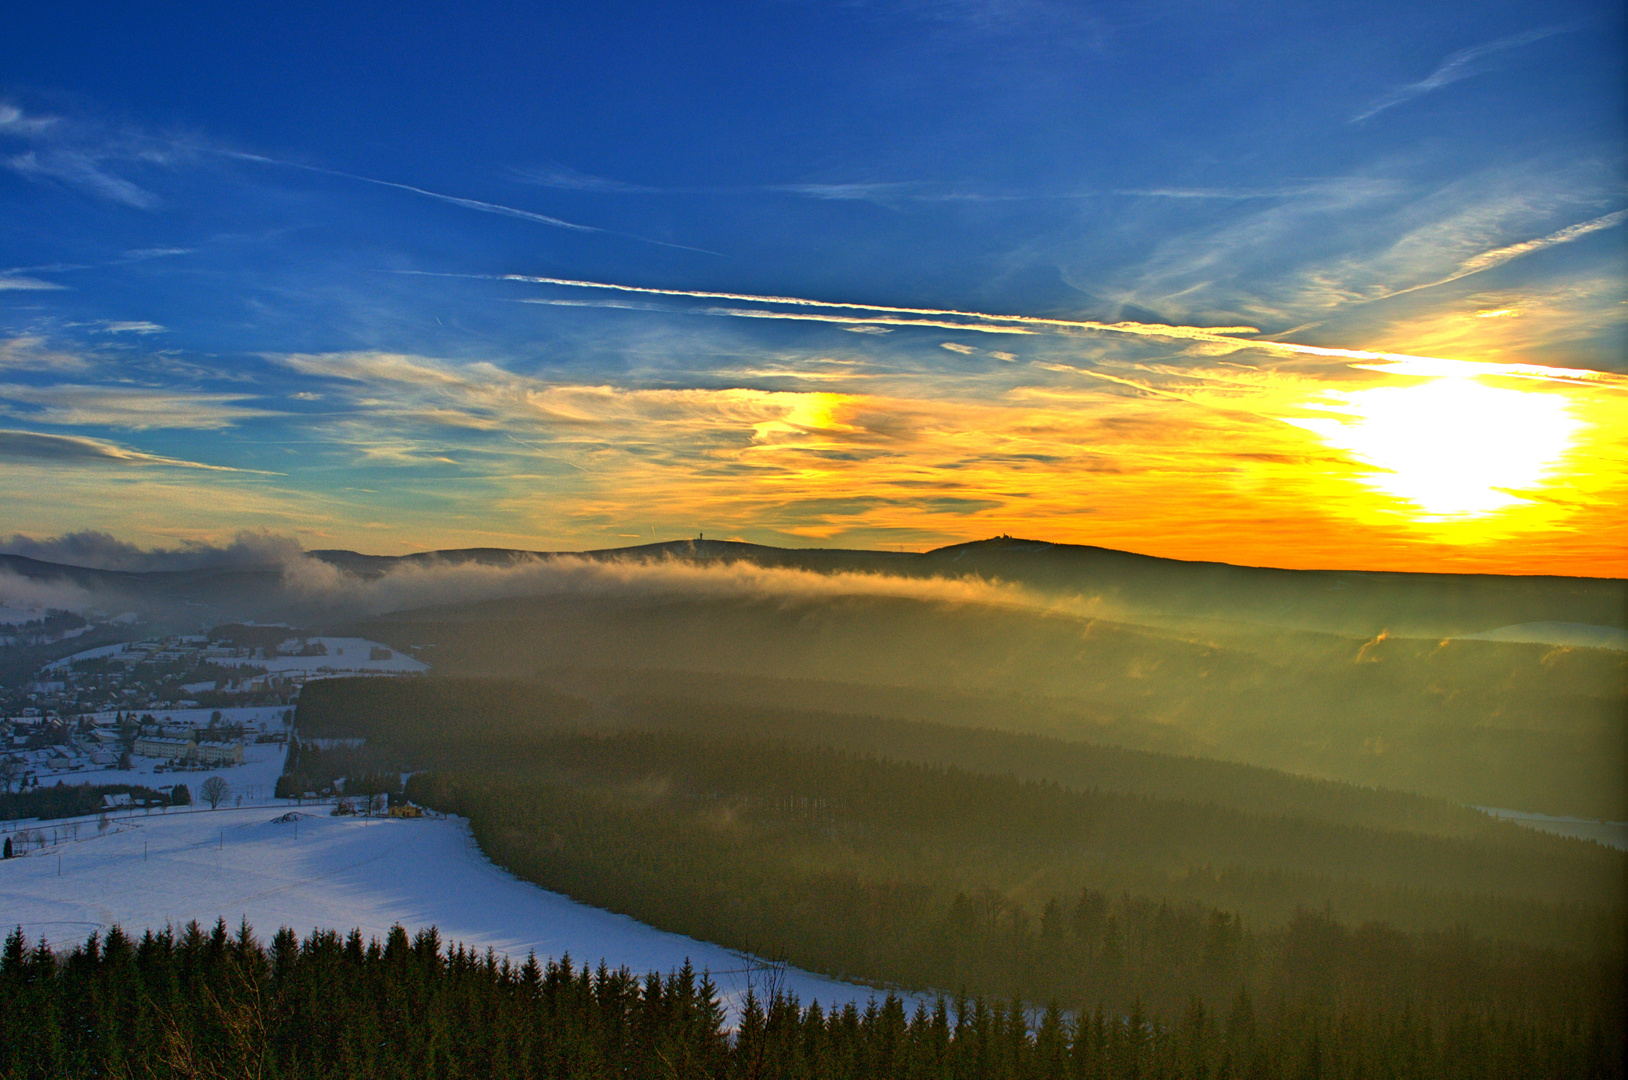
(1486, 723)
(933, 875)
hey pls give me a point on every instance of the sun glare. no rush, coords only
(1450, 448)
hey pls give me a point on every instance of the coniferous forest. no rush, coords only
(1057, 874)
(198, 1003)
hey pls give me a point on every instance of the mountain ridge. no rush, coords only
(1342, 601)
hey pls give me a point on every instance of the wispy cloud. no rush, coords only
(20, 277)
(860, 191)
(131, 408)
(139, 326)
(13, 121)
(896, 192)
(82, 155)
(78, 450)
(1304, 261)
(82, 170)
(1224, 194)
(1460, 65)
(143, 254)
(567, 179)
(34, 355)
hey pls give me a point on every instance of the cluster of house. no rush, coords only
(36, 748)
(143, 675)
(78, 714)
(194, 671)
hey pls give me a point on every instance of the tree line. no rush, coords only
(196, 1003)
(75, 800)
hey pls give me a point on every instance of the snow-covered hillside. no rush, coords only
(338, 872)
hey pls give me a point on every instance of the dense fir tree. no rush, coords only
(217, 1003)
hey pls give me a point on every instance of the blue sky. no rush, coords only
(276, 267)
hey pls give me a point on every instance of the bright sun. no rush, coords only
(1449, 448)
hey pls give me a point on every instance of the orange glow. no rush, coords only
(1401, 464)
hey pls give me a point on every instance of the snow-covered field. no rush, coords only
(340, 873)
(254, 780)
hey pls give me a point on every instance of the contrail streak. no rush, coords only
(1396, 363)
(456, 200)
(797, 316)
(1489, 260)
(797, 301)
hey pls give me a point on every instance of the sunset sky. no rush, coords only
(1276, 283)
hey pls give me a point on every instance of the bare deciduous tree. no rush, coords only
(214, 791)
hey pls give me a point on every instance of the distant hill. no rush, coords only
(201, 595)
(1339, 601)
(1498, 691)
(1131, 587)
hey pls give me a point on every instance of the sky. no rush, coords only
(1278, 284)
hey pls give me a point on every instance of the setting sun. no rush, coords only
(1450, 448)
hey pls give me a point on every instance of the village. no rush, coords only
(173, 704)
